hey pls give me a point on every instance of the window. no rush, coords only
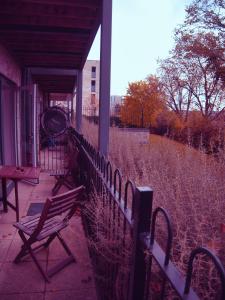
(93, 72)
(93, 86)
(93, 99)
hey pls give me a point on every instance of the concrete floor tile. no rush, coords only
(4, 248)
(29, 296)
(84, 294)
(15, 248)
(72, 277)
(7, 218)
(38, 198)
(21, 278)
(7, 231)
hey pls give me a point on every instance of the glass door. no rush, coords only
(29, 125)
(7, 123)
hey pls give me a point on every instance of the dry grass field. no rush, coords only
(189, 184)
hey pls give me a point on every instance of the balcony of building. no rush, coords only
(43, 48)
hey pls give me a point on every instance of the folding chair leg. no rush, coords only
(64, 245)
(60, 181)
(26, 248)
(65, 262)
(23, 252)
(56, 187)
(67, 184)
(49, 240)
(39, 266)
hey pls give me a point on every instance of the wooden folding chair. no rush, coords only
(55, 216)
(63, 176)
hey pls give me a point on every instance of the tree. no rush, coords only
(194, 75)
(144, 100)
(193, 54)
(178, 96)
(208, 14)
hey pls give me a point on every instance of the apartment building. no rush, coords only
(90, 93)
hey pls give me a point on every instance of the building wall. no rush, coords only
(8, 66)
(90, 93)
(10, 80)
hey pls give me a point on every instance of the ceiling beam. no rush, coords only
(43, 29)
(48, 10)
(33, 35)
(47, 53)
(92, 4)
(65, 22)
(53, 71)
(51, 65)
(45, 48)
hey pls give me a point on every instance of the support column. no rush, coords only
(71, 114)
(105, 72)
(79, 101)
(143, 201)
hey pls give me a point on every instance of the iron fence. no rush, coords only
(53, 154)
(120, 225)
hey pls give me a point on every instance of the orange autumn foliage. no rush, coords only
(143, 102)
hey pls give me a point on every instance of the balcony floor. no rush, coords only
(23, 281)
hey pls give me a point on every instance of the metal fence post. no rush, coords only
(142, 219)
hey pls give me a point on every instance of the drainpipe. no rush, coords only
(79, 101)
(105, 70)
(35, 126)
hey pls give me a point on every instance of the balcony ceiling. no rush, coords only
(49, 33)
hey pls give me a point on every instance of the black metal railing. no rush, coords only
(53, 153)
(120, 226)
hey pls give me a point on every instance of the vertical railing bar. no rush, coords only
(56, 156)
(48, 157)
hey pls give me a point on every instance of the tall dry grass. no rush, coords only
(109, 246)
(187, 183)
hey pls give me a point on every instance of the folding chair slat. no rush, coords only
(61, 209)
(51, 230)
(57, 202)
(28, 229)
(52, 215)
(33, 224)
(30, 220)
(74, 193)
(53, 222)
(46, 224)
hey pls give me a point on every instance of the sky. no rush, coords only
(142, 32)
